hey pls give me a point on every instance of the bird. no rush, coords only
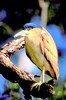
(41, 50)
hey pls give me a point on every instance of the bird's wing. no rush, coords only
(50, 51)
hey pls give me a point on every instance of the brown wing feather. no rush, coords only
(50, 51)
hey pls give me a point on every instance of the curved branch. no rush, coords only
(16, 75)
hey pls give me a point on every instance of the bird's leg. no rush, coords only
(42, 78)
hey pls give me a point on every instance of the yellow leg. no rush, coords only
(42, 78)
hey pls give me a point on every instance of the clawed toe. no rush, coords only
(36, 85)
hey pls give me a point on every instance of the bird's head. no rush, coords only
(26, 27)
(31, 25)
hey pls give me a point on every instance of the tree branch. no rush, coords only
(16, 75)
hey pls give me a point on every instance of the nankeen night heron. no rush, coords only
(41, 50)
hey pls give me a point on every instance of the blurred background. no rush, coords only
(48, 13)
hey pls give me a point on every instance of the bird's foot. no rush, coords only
(36, 85)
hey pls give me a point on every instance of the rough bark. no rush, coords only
(16, 75)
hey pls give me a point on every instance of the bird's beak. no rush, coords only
(21, 34)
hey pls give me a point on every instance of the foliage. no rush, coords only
(12, 92)
(60, 91)
(14, 87)
(52, 10)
